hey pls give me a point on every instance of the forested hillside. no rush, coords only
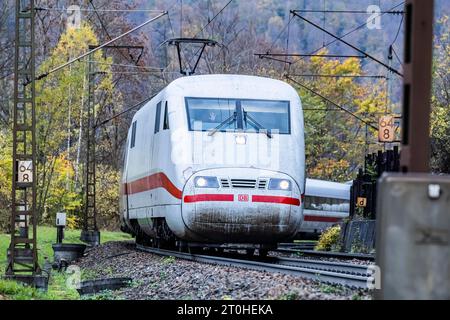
(336, 142)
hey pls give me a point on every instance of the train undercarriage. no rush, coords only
(164, 238)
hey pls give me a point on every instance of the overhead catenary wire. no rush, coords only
(155, 72)
(395, 40)
(351, 31)
(396, 55)
(338, 76)
(332, 102)
(280, 34)
(41, 76)
(93, 10)
(170, 24)
(109, 36)
(210, 21)
(125, 65)
(137, 105)
(269, 57)
(311, 55)
(397, 12)
(388, 72)
(398, 31)
(346, 34)
(205, 26)
(288, 65)
(348, 44)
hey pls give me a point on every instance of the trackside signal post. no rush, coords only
(90, 233)
(413, 226)
(22, 256)
(22, 252)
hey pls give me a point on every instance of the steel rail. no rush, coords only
(339, 267)
(328, 254)
(339, 278)
(298, 245)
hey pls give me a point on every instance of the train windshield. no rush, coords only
(224, 115)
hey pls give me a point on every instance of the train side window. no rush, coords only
(158, 117)
(166, 117)
(133, 135)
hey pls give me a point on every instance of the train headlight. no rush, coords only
(280, 184)
(241, 139)
(206, 182)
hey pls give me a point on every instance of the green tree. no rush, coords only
(61, 102)
(440, 101)
(335, 141)
(5, 178)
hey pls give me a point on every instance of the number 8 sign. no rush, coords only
(25, 172)
(386, 129)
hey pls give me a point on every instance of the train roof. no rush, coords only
(232, 86)
(322, 188)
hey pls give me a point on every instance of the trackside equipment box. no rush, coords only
(413, 236)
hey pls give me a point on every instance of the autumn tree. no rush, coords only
(5, 179)
(6, 63)
(335, 140)
(61, 111)
(440, 101)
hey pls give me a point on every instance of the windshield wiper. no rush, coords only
(256, 124)
(228, 121)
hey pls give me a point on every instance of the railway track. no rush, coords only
(298, 245)
(307, 249)
(353, 276)
(338, 267)
(327, 254)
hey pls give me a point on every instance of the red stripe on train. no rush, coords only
(157, 180)
(209, 197)
(276, 199)
(160, 180)
(321, 219)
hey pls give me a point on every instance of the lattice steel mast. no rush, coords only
(22, 252)
(90, 233)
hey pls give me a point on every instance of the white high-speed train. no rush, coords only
(216, 160)
(326, 204)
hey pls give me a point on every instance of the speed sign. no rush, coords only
(25, 172)
(386, 131)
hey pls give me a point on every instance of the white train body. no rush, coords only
(326, 204)
(216, 186)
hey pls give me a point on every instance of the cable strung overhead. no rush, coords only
(333, 103)
(332, 41)
(347, 43)
(42, 76)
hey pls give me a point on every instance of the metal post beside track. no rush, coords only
(22, 253)
(90, 233)
(413, 225)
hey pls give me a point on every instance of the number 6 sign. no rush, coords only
(386, 129)
(25, 172)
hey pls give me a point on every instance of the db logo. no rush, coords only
(243, 197)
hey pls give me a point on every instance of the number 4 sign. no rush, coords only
(386, 131)
(25, 172)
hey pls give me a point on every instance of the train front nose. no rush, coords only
(241, 206)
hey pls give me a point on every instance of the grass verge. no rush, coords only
(57, 289)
